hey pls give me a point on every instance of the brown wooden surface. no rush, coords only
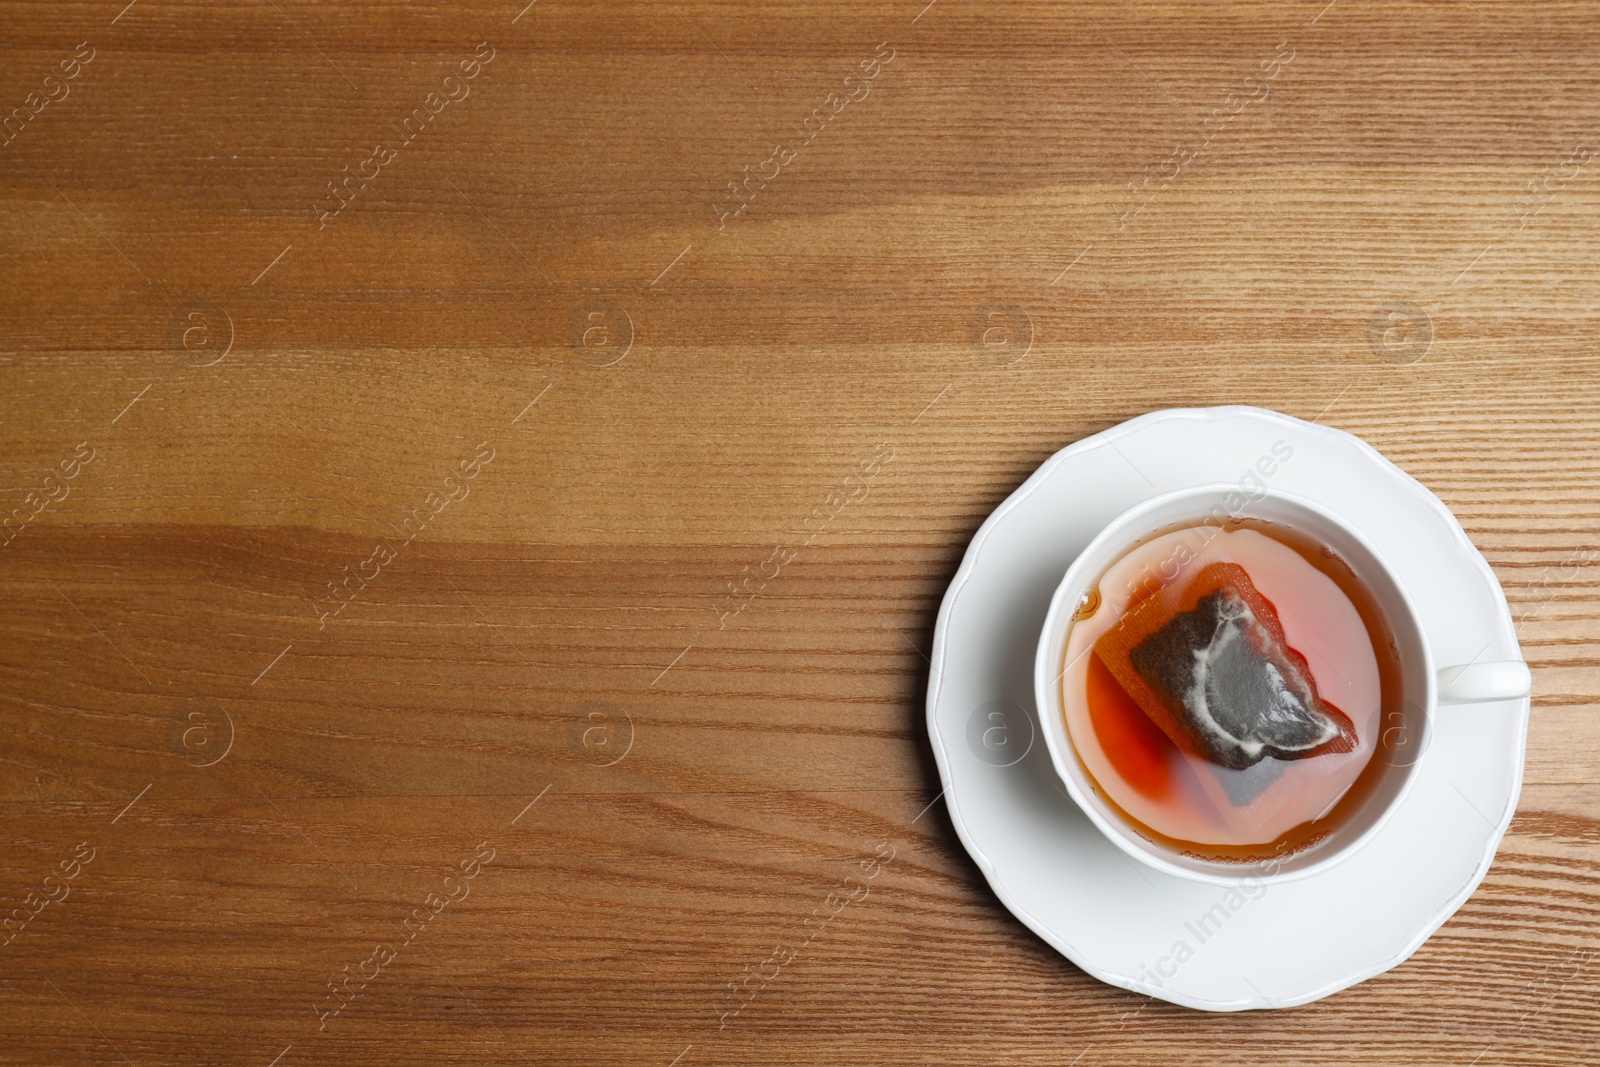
(176, 582)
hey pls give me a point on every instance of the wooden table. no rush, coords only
(440, 624)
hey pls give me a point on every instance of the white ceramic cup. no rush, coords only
(1424, 686)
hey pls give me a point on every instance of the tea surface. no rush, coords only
(1224, 686)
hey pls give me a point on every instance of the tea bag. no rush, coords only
(1206, 658)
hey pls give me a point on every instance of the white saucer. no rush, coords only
(1194, 944)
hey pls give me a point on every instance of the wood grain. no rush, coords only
(268, 402)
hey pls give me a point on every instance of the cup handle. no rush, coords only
(1475, 683)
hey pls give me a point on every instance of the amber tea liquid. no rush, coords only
(1179, 789)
